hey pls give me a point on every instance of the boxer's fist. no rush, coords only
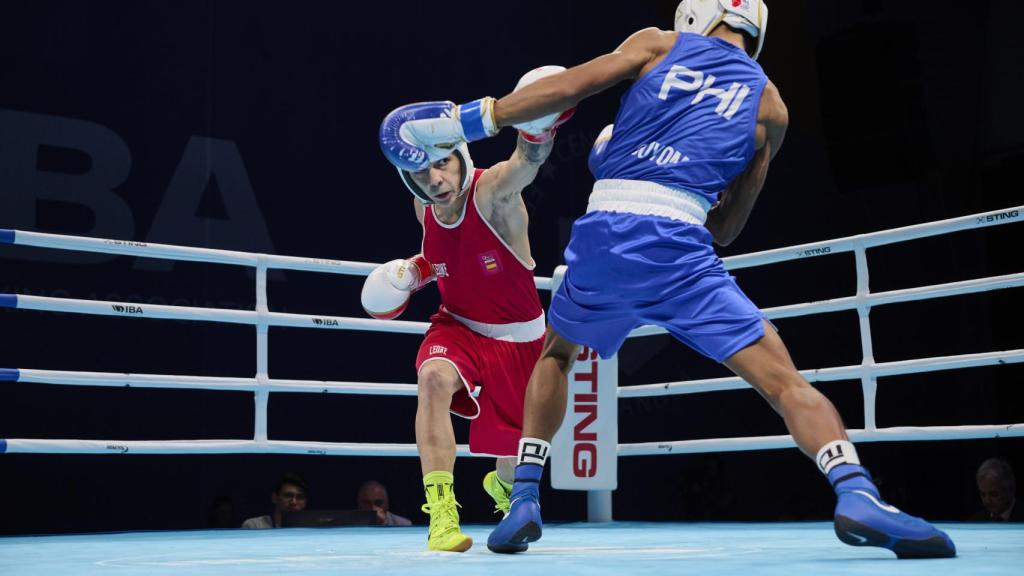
(414, 135)
(387, 289)
(541, 129)
(380, 298)
(464, 123)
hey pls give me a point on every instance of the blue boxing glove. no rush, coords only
(413, 148)
(597, 152)
(439, 127)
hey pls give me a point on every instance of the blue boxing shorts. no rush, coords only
(627, 270)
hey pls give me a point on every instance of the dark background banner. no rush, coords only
(253, 126)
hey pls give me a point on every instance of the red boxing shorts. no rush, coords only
(502, 369)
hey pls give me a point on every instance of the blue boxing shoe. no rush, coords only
(522, 524)
(863, 519)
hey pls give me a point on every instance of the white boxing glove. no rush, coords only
(387, 289)
(541, 129)
(380, 298)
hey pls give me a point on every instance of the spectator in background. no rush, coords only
(997, 488)
(222, 513)
(373, 495)
(289, 495)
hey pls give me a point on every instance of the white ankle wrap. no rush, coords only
(835, 453)
(533, 451)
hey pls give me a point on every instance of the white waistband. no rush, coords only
(648, 199)
(511, 332)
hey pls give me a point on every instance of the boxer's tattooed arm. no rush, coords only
(534, 153)
(504, 181)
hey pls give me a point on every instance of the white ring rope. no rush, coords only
(212, 383)
(894, 434)
(832, 374)
(877, 299)
(34, 446)
(192, 254)
(262, 385)
(165, 312)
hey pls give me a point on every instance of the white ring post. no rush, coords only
(868, 381)
(599, 506)
(262, 395)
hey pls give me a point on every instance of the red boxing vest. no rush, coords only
(479, 276)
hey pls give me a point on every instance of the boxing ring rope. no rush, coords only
(261, 385)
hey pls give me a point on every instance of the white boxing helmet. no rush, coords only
(462, 151)
(701, 17)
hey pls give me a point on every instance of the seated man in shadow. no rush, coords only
(221, 513)
(997, 488)
(373, 496)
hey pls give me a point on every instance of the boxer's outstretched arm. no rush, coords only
(729, 216)
(507, 179)
(565, 89)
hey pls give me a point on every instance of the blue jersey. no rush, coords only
(688, 123)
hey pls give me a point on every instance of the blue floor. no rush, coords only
(591, 549)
